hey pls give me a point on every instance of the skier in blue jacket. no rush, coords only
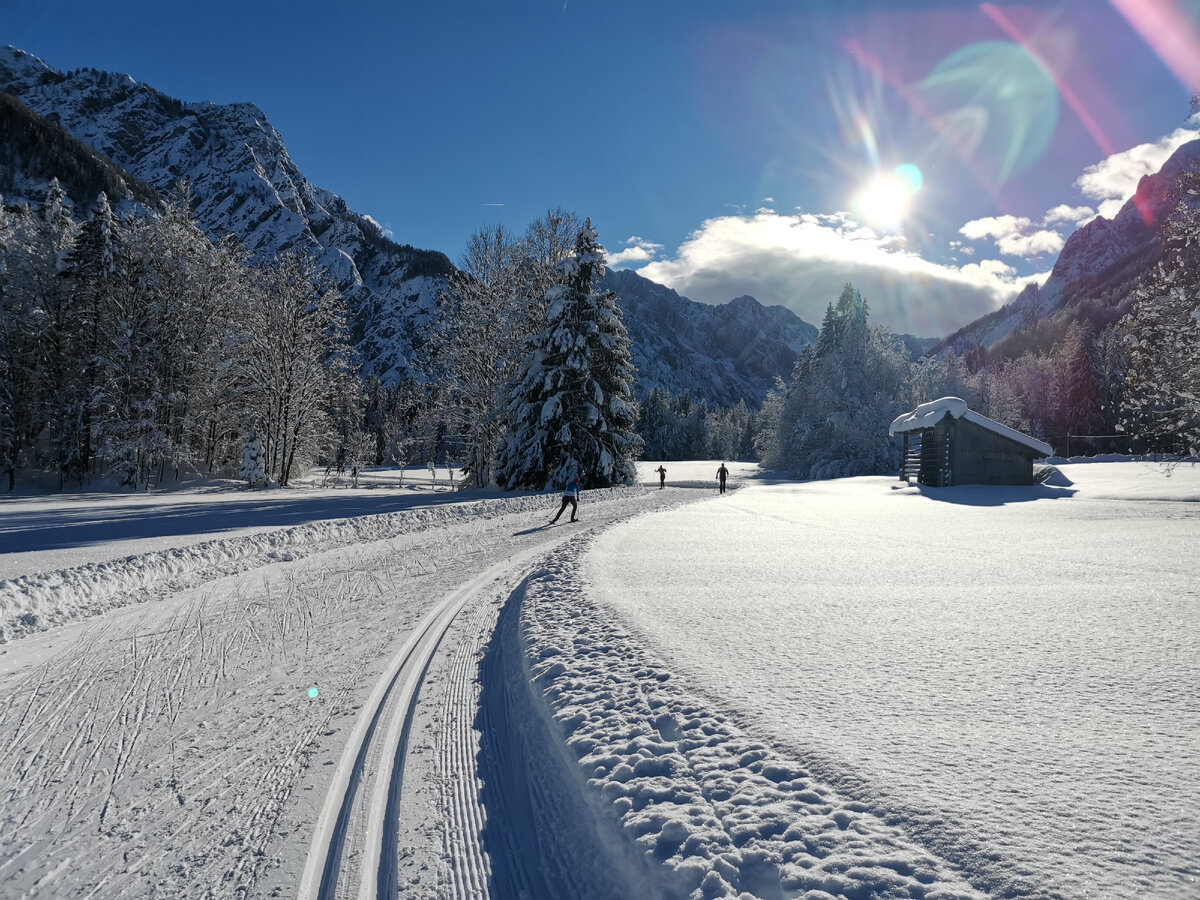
(570, 497)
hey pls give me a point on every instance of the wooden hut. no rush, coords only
(947, 444)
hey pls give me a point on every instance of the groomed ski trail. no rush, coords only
(369, 778)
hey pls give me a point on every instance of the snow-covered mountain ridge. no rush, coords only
(1098, 262)
(243, 182)
(722, 353)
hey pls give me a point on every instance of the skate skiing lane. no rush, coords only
(390, 706)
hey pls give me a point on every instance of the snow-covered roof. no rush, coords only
(929, 414)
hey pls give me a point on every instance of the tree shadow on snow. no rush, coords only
(101, 523)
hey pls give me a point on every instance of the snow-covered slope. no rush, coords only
(671, 699)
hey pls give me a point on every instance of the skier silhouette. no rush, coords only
(662, 477)
(722, 474)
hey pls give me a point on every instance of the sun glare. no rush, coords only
(884, 202)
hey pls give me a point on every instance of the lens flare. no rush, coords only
(911, 176)
(995, 104)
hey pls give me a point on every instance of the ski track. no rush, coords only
(157, 750)
(370, 773)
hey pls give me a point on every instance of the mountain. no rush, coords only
(1095, 270)
(242, 181)
(721, 353)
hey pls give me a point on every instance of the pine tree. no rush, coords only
(8, 360)
(61, 339)
(573, 412)
(252, 461)
(656, 424)
(92, 270)
(1082, 406)
(24, 402)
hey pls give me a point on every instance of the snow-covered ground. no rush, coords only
(850, 688)
(42, 532)
(1010, 675)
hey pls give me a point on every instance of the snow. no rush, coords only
(929, 414)
(1006, 674)
(844, 688)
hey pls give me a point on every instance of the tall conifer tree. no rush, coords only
(573, 412)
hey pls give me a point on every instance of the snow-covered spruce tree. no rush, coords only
(252, 461)
(846, 389)
(573, 411)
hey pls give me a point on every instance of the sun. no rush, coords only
(885, 200)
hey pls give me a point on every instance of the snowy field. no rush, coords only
(851, 688)
(1010, 675)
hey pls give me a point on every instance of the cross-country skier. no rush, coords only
(722, 474)
(662, 477)
(570, 497)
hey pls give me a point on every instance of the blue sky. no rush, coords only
(935, 153)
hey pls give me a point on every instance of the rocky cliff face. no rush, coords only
(720, 353)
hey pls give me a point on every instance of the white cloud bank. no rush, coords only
(1013, 236)
(1113, 181)
(802, 261)
(637, 250)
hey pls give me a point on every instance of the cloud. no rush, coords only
(802, 262)
(999, 227)
(637, 250)
(1075, 215)
(1113, 181)
(1013, 236)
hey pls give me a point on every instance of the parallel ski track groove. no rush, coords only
(457, 779)
(391, 705)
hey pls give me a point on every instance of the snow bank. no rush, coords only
(32, 603)
(708, 811)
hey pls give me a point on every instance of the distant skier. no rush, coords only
(570, 497)
(662, 477)
(722, 474)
